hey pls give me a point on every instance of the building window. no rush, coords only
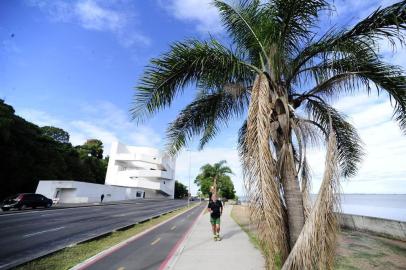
(139, 194)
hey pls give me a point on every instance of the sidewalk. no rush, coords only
(234, 251)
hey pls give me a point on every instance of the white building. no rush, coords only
(68, 191)
(141, 167)
(132, 173)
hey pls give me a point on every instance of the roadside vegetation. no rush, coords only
(71, 256)
(216, 179)
(180, 190)
(279, 75)
(354, 250)
(30, 153)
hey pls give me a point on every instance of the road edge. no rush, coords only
(88, 262)
(177, 249)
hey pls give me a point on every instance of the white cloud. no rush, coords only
(93, 16)
(101, 120)
(201, 12)
(96, 16)
(382, 169)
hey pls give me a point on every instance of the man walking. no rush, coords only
(216, 209)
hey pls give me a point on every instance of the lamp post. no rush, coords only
(189, 193)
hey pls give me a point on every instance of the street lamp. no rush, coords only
(189, 193)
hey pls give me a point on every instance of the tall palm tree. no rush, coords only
(215, 172)
(280, 75)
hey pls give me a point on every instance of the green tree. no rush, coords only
(92, 147)
(226, 187)
(284, 72)
(180, 190)
(55, 133)
(215, 176)
(27, 156)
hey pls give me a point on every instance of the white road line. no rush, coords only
(173, 228)
(41, 232)
(46, 215)
(156, 241)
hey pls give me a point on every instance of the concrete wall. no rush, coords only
(384, 227)
(66, 191)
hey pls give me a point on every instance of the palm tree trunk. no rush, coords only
(287, 170)
(293, 198)
(215, 184)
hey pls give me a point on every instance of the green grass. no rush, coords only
(253, 239)
(71, 256)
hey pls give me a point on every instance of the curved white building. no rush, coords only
(144, 168)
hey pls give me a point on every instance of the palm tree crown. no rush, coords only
(285, 74)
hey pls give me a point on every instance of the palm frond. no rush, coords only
(248, 27)
(319, 231)
(261, 175)
(360, 71)
(203, 117)
(206, 63)
(349, 145)
(296, 18)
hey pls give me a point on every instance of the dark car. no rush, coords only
(24, 200)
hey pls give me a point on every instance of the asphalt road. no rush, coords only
(28, 235)
(149, 251)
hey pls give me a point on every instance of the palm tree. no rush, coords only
(215, 172)
(284, 73)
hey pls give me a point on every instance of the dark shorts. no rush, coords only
(214, 221)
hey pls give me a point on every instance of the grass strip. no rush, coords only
(70, 256)
(251, 235)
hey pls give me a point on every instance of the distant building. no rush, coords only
(141, 167)
(132, 173)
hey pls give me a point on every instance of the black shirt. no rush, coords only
(215, 207)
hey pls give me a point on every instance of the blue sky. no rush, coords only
(74, 64)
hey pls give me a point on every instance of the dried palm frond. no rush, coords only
(260, 172)
(315, 246)
(305, 180)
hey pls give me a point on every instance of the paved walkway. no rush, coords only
(234, 251)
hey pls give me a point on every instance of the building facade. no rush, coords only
(144, 168)
(68, 191)
(132, 173)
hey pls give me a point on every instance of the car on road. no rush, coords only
(24, 200)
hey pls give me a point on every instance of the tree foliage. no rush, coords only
(28, 155)
(180, 190)
(205, 179)
(55, 133)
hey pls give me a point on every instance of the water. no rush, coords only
(389, 206)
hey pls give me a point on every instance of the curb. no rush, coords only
(106, 252)
(177, 250)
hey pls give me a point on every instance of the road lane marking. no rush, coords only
(45, 215)
(41, 232)
(173, 228)
(121, 268)
(156, 241)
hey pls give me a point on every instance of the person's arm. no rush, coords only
(209, 208)
(221, 209)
